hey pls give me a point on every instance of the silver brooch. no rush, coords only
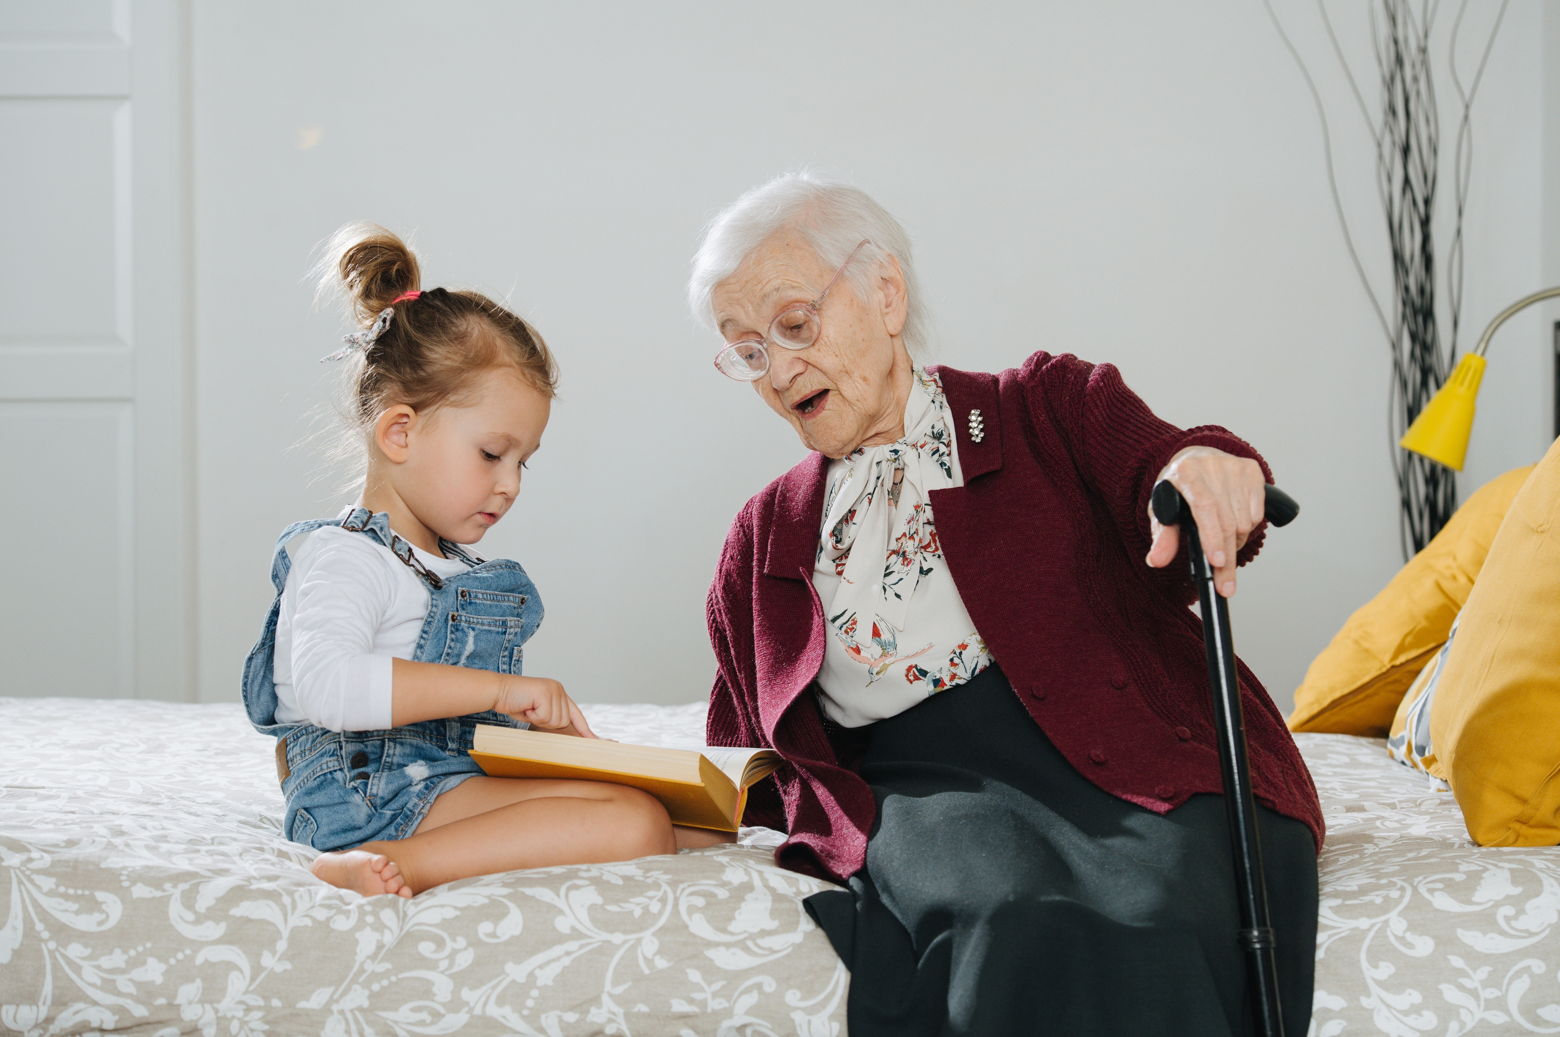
(977, 427)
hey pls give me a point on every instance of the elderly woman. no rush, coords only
(957, 622)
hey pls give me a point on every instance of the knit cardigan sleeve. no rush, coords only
(733, 718)
(1119, 446)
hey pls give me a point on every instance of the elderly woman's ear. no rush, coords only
(896, 300)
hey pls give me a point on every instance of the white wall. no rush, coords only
(1132, 181)
(1551, 138)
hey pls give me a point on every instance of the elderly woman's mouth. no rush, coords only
(811, 403)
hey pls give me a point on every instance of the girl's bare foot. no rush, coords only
(371, 874)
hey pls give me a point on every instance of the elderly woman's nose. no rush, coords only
(784, 366)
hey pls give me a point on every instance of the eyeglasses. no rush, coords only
(796, 327)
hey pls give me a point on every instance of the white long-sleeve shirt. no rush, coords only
(349, 606)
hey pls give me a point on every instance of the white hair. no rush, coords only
(832, 217)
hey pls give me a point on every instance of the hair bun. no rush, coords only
(371, 265)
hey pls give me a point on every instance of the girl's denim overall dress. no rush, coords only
(344, 788)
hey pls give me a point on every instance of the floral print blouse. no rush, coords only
(898, 630)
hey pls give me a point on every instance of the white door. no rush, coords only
(94, 464)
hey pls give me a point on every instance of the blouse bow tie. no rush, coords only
(874, 528)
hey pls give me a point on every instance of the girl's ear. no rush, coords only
(896, 299)
(392, 432)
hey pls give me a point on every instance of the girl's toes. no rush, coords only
(394, 881)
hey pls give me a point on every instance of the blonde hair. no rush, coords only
(436, 344)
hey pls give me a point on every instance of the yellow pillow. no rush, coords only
(1495, 717)
(1356, 683)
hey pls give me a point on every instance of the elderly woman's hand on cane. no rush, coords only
(1225, 495)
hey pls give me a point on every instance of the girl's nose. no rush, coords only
(508, 484)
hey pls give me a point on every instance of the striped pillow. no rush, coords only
(1409, 741)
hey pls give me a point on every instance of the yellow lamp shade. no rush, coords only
(1441, 430)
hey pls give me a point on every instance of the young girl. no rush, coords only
(388, 641)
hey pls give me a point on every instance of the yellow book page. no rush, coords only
(591, 753)
(742, 766)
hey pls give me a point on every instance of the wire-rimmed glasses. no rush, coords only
(795, 327)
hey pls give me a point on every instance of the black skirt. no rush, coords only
(1003, 893)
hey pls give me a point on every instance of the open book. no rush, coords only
(705, 788)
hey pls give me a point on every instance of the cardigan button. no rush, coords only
(1164, 791)
(1119, 681)
(1184, 734)
(1097, 756)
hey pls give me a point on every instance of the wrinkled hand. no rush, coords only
(542, 703)
(1225, 496)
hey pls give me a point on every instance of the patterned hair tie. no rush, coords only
(360, 341)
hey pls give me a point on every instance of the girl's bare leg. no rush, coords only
(699, 838)
(487, 825)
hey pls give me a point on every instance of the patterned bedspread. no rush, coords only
(1422, 932)
(144, 888)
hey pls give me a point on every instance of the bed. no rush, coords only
(145, 888)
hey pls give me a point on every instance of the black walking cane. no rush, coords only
(1256, 933)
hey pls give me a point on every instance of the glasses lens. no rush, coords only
(796, 328)
(743, 361)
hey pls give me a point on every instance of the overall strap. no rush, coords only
(361, 520)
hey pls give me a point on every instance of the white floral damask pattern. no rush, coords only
(1421, 931)
(144, 888)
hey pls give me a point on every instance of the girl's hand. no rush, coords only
(1225, 495)
(542, 703)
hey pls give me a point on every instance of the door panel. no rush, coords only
(94, 350)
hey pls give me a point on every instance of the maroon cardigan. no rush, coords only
(1045, 542)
